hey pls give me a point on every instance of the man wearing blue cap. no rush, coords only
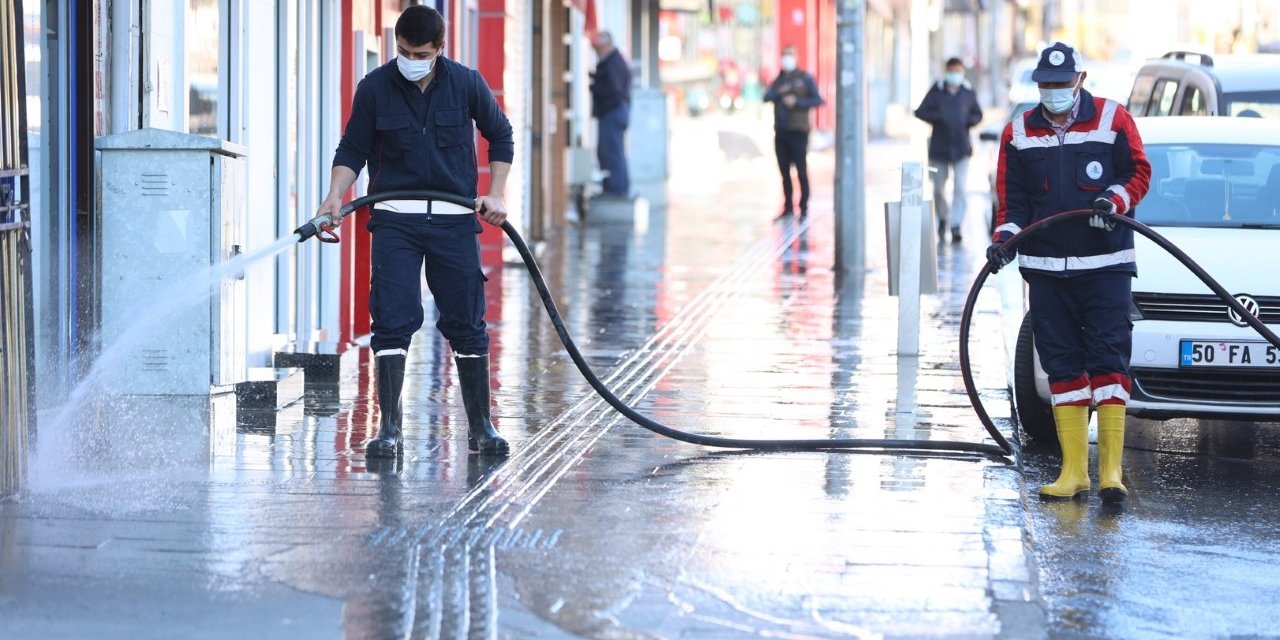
(1075, 152)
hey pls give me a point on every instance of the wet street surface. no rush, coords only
(709, 317)
(1193, 553)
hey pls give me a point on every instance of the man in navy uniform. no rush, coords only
(1076, 152)
(411, 123)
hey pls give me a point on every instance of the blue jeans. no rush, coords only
(611, 151)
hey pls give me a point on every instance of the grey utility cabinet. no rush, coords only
(171, 213)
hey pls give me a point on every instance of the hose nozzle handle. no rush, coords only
(322, 227)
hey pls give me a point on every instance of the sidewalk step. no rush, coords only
(321, 361)
(611, 209)
(270, 388)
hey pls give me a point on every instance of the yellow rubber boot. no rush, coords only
(1110, 450)
(1073, 435)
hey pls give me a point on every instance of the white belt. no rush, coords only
(424, 206)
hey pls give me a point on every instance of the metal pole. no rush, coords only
(851, 132)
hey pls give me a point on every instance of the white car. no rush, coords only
(1021, 87)
(1215, 193)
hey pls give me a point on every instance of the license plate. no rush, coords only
(1201, 353)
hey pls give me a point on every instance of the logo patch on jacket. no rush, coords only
(1094, 170)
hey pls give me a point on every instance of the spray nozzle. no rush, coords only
(322, 227)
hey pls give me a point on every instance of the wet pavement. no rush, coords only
(1193, 553)
(709, 317)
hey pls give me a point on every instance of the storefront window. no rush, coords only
(203, 45)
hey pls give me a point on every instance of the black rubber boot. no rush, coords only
(473, 378)
(390, 440)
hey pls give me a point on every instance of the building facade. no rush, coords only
(276, 79)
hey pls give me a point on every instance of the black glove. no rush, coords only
(1104, 214)
(998, 256)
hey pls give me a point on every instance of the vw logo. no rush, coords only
(1249, 304)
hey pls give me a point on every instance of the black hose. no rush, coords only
(818, 444)
(966, 316)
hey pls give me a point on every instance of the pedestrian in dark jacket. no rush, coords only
(952, 108)
(410, 125)
(793, 94)
(611, 104)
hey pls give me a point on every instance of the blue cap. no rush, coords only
(1058, 63)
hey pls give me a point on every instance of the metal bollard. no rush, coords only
(910, 212)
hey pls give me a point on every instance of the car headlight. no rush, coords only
(1135, 314)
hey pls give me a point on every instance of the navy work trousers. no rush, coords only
(612, 152)
(1081, 323)
(447, 245)
(792, 148)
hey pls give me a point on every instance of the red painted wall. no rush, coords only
(810, 25)
(353, 314)
(491, 63)
(825, 64)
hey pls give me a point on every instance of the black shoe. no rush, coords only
(390, 440)
(786, 213)
(955, 235)
(473, 378)
(389, 466)
(1113, 495)
(804, 212)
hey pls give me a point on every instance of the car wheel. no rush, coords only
(1034, 414)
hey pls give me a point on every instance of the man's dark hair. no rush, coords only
(420, 25)
(951, 62)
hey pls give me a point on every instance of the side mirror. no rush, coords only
(989, 136)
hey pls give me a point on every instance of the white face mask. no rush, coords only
(1059, 100)
(415, 70)
(788, 63)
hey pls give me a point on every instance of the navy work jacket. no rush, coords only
(414, 139)
(611, 85)
(1041, 173)
(952, 115)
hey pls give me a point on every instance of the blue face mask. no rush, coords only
(1059, 100)
(954, 78)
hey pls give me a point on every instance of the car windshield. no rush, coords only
(1212, 185)
(1256, 104)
